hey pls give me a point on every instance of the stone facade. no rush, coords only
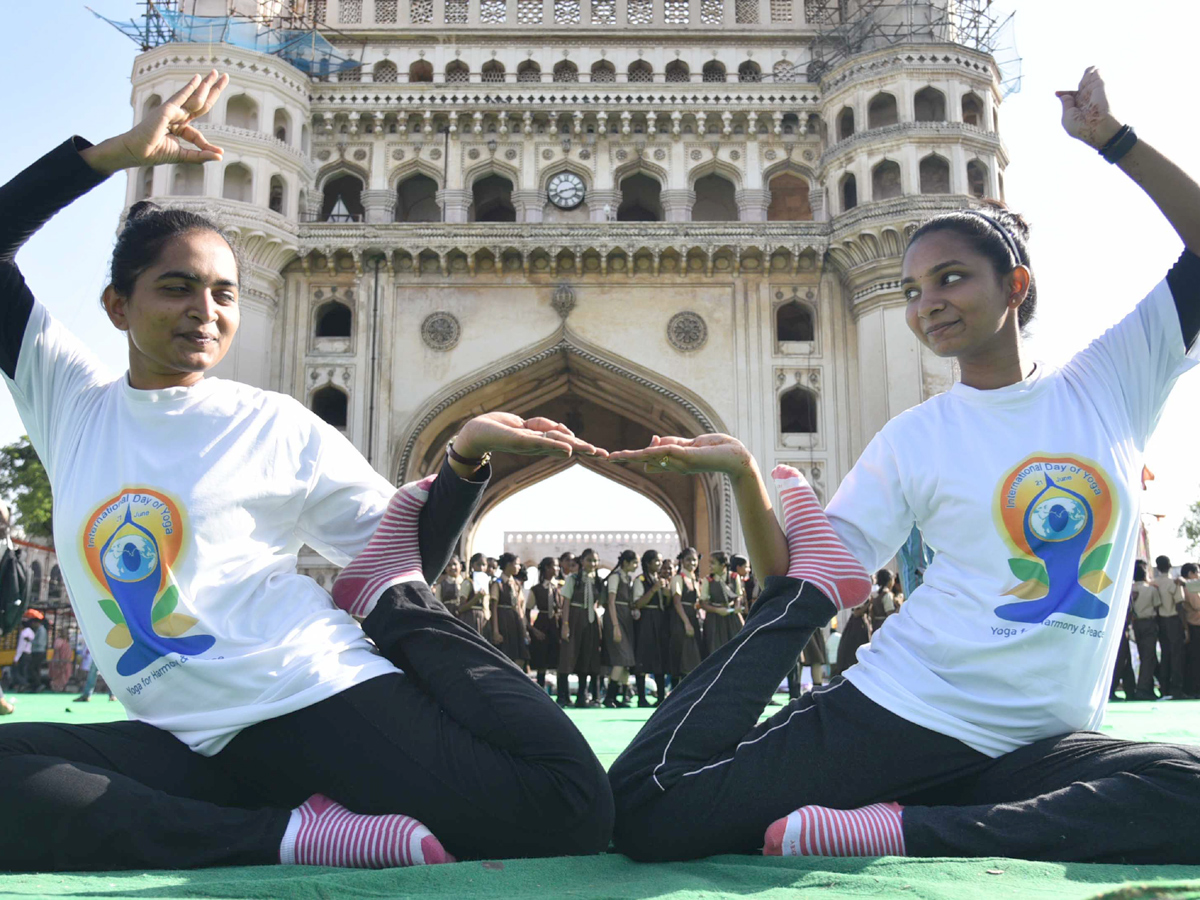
(733, 266)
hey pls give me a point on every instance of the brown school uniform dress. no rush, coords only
(580, 653)
(449, 592)
(720, 629)
(470, 606)
(653, 645)
(543, 654)
(685, 651)
(510, 624)
(623, 652)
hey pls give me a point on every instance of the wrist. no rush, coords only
(468, 444)
(106, 157)
(1104, 131)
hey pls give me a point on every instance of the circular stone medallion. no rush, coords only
(440, 331)
(687, 331)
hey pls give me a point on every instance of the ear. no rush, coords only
(115, 305)
(1019, 280)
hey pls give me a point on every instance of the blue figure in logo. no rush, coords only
(133, 569)
(1058, 526)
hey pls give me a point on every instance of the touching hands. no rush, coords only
(707, 453)
(1085, 113)
(501, 432)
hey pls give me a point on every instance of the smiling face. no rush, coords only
(453, 569)
(182, 314)
(689, 562)
(958, 305)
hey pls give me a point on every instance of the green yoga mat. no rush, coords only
(614, 877)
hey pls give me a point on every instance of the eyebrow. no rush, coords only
(933, 271)
(192, 276)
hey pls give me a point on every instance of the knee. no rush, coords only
(586, 815)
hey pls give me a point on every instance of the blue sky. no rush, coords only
(1098, 243)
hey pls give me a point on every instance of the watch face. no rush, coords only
(565, 190)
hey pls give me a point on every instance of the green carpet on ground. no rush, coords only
(614, 877)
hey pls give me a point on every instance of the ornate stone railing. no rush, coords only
(908, 130)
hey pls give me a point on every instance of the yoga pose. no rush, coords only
(266, 726)
(967, 728)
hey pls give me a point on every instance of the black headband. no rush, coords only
(1004, 233)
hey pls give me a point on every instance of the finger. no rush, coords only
(535, 444)
(541, 423)
(213, 94)
(200, 95)
(193, 136)
(177, 98)
(675, 442)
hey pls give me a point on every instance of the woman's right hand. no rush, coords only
(155, 140)
(707, 453)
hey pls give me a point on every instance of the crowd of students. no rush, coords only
(1163, 622)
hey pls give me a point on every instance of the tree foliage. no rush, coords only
(1190, 529)
(26, 487)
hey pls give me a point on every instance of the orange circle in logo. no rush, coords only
(149, 509)
(1027, 479)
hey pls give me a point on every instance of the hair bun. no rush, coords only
(141, 208)
(1011, 220)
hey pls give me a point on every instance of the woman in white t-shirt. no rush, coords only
(967, 728)
(266, 725)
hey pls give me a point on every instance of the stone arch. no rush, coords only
(882, 111)
(491, 198)
(640, 202)
(935, 174)
(929, 105)
(615, 397)
(604, 71)
(385, 72)
(849, 191)
(845, 123)
(750, 72)
(237, 182)
(333, 318)
(715, 166)
(639, 71)
(241, 111)
(416, 199)
(338, 168)
(187, 180)
(457, 72)
(977, 178)
(411, 167)
(677, 71)
(420, 70)
(798, 411)
(277, 195)
(332, 404)
(565, 71)
(529, 71)
(716, 199)
(492, 72)
(566, 165)
(486, 167)
(35, 574)
(282, 126)
(152, 103)
(791, 197)
(713, 71)
(146, 183)
(886, 180)
(337, 186)
(972, 109)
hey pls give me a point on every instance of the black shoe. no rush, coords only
(643, 703)
(1143, 696)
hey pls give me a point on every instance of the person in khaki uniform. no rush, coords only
(1170, 629)
(1144, 601)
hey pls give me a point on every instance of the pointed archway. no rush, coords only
(608, 401)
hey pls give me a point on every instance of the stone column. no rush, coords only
(455, 204)
(379, 206)
(529, 203)
(752, 204)
(315, 201)
(677, 205)
(596, 201)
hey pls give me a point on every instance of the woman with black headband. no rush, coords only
(969, 723)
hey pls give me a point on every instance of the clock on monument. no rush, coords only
(565, 190)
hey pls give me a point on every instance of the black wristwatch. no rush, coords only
(1119, 144)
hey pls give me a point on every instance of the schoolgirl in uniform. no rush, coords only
(545, 629)
(988, 686)
(685, 619)
(474, 605)
(619, 641)
(651, 600)
(508, 612)
(450, 588)
(266, 725)
(720, 599)
(579, 649)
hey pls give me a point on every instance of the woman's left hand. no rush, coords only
(1085, 113)
(501, 432)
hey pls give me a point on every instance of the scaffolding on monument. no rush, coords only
(287, 30)
(845, 28)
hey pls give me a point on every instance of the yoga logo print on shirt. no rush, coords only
(130, 542)
(1056, 514)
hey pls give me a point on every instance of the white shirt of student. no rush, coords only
(589, 587)
(1028, 494)
(178, 517)
(24, 643)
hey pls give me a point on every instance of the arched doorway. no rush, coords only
(606, 400)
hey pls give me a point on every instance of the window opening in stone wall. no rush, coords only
(881, 111)
(885, 181)
(641, 199)
(350, 12)
(977, 178)
(320, 9)
(824, 12)
(35, 582)
(798, 411)
(385, 72)
(789, 199)
(237, 183)
(566, 12)
(604, 12)
(457, 72)
(352, 75)
(640, 71)
(386, 12)
(420, 70)
(282, 125)
(794, 322)
(276, 195)
(935, 175)
(677, 71)
(146, 184)
(493, 12)
(529, 12)
(566, 71)
(420, 12)
(604, 71)
(334, 319)
(187, 181)
(791, 123)
(750, 71)
(972, 110)
(929, 105)
(745, 12)
(342, 200)
(716, 200)
(1000, 183)
(242, 112)
(781, 10)
(492, 72)
(675, 12)
(783, 72)
(639, 12)
(849, 192)
(492, 200)
(331, 404)
(529, 71)
(845, 122)
(713, 71)
(456, 12)
(712, 12)
(55, 587)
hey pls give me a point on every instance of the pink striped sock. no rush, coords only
(392, 556)
(324, 833)
(815, 552)
(875, 830)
